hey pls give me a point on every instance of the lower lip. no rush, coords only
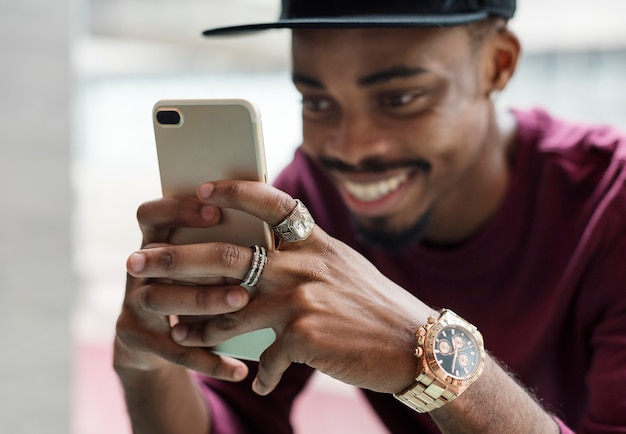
(378, 207)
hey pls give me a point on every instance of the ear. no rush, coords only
(502, 50)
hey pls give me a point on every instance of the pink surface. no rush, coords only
(97, 403)
(98, 406)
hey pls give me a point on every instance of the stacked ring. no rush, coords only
(259, 260)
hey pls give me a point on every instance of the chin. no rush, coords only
(379, 233)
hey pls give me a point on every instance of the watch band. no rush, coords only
(426, 394)
(434, 387)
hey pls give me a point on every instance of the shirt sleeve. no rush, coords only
(606, 295)
(224, 419)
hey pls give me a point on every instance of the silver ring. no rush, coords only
(297, 226)
(259, 260)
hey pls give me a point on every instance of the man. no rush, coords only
(462, 218)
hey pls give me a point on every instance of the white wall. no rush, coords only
(35, 199)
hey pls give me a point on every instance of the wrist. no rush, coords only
(128, 361)
(138, 382)
(450, 357)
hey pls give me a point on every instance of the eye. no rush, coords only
(316, 104)
(399, 99)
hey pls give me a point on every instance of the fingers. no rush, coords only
(171, 299)
(150, 343)
(218, 308)
(158, 218)
(273, 363)
(272, 366)
(143, 334)
(212, 330)
(205, 362)
(213, 260)
(255, 198)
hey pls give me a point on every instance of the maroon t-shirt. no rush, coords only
(544, 281)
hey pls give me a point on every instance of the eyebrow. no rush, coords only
(369, 80)
(390, 74)
(306, 80)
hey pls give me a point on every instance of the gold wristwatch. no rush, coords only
(451, 356)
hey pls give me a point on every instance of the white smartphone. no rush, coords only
(208, 140)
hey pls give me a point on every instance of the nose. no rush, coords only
(358, 137)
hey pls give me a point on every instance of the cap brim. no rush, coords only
(369, 21)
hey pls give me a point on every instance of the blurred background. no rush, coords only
(77, 85)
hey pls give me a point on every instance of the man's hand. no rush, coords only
(143, 340)
(329, 307)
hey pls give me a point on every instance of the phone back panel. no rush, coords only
(214, 140)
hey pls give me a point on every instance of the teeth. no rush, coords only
(371, 191)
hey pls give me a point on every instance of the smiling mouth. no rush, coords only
(372, 191)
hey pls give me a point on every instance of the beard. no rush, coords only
(378, 234)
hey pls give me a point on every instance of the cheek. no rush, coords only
(460, 135)
(461, 120)
(452, 143)
(314, 137)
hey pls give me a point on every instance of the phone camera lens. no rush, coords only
(168, 117)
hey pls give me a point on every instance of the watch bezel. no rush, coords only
(452, 320)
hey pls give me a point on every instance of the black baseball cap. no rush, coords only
(303, 14)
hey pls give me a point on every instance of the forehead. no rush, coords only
(316, 50)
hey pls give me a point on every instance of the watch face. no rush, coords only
(456, 352)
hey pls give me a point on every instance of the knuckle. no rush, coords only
(262, 379)
(205, 335)
(310, 296)
(147, 299)
(168, 258)
(203, 300)
(285, 205)
(265, 365)
(228, 255)
(143, 211)
(301, 330)
(123, 327)
(214, 366)
(182, 358)
(233, 190)
(319, 267)
(131, 308)
(147, 211)
(226, 322)
(315, 270)
(128, 331)
(306, 334)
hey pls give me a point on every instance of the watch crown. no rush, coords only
(419, 352)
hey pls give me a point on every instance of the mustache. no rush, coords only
(374, 165)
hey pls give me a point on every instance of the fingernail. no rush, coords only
(235, 299)
(208, 213)
(206, 190)
(180, 331)
(137, 261)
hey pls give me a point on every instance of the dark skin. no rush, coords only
(431, 106)
(376, 101)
